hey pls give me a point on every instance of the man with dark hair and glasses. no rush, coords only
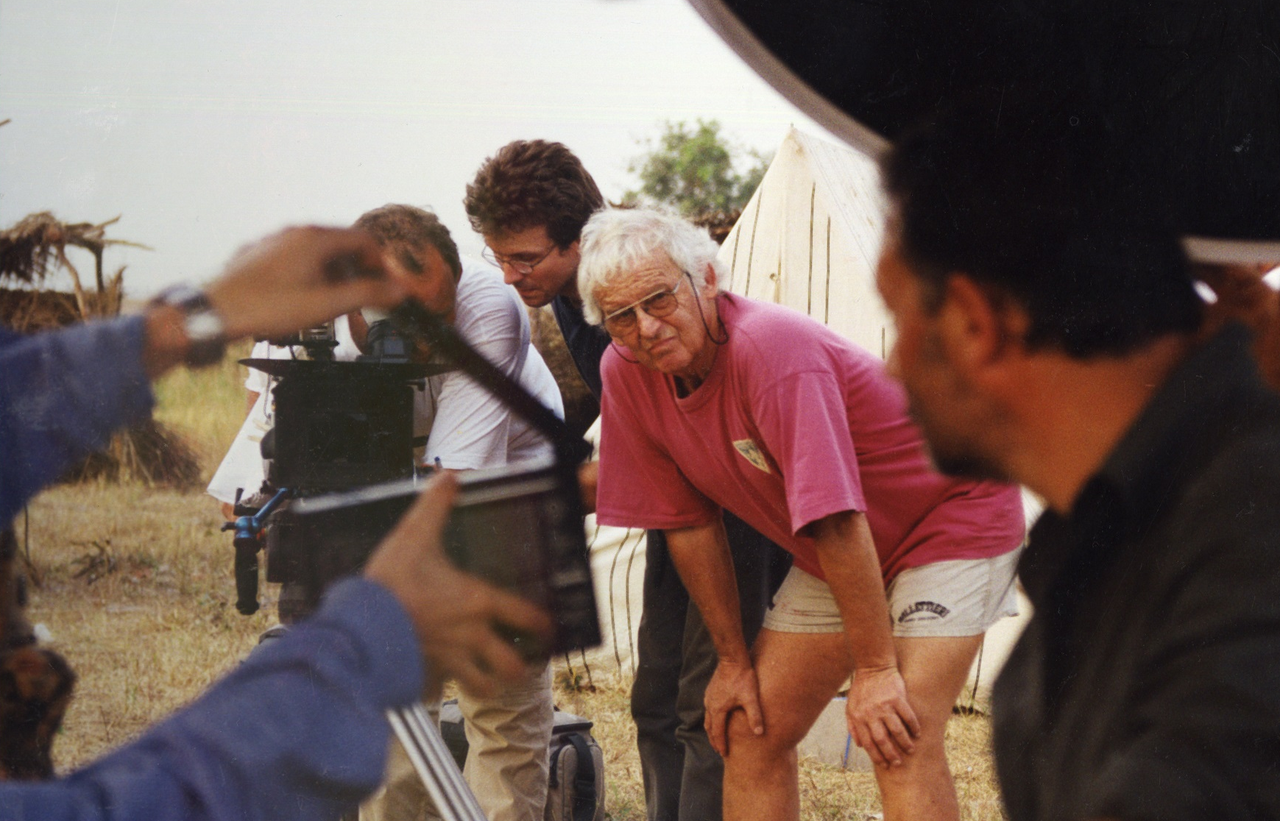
(530, 201)
(714, 402)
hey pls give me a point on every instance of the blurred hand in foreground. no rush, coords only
(455, 614)
(300, 277)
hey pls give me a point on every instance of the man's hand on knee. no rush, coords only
(733, 686)
(881, 719)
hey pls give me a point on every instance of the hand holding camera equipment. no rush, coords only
(345, 425)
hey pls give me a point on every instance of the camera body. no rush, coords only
(516, 526)
(341, 468)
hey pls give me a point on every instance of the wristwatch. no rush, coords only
(204, 329)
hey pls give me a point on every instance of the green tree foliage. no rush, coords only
(692, 168)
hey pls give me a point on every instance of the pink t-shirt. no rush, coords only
(794, 423)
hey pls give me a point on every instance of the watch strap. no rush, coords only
(204, 328)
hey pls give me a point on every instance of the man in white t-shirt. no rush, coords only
(466, 428)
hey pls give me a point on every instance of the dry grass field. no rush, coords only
(135, 585)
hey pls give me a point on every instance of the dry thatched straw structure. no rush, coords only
(29, 310)
(37, 246)
(29, 253)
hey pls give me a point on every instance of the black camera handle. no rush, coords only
(413, 320)
(247, 542)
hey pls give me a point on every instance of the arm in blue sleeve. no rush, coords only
(295, 732)
(62, 394)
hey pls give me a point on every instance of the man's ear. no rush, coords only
(711, 277)
(979, 329)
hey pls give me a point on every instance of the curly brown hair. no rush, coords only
(406, 229)
(530, 183)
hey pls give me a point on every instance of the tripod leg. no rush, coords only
(453, 798)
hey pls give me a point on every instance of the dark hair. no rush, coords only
(1017, 194)
(406, 229)
(530, 183)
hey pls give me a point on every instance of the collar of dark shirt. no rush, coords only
(1208, 394)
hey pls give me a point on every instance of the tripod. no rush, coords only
(431, 758)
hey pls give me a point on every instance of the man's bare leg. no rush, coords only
(799, 674)
(934, 670)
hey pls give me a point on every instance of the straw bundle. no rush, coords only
(29, 253)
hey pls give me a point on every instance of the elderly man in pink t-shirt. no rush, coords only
(715, 401)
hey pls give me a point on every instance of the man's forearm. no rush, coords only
(848, 557)
(165, 343)
(296, 732)
(701, 556)
(62, 393)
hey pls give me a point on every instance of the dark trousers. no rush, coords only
(682, 774)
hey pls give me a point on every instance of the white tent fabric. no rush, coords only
(617, 568)
(809, 238)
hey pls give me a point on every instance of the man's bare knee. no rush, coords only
(928, 760)
(778, 741)
(743, 739)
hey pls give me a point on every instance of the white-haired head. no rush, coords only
(618, 241)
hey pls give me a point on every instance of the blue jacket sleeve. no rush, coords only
(62, 393)
(295, 732)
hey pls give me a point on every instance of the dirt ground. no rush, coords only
(135, 585)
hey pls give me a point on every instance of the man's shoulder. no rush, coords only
(1223, 430)
(1221, 530)
(578, 333)
(485, 303)
(479, 277)
(766, 323)
(612, 365)
(774, 340)
(1241, 478)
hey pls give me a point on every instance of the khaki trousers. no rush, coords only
(506, 767)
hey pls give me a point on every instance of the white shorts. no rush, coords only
(954, 598)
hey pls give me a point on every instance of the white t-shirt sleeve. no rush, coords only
(472, 427)
(536, 378)
(242, 467)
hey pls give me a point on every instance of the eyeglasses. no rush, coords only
(523, 267)
(657, 305)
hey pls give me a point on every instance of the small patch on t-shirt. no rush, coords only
(752, 453)
(923, 611)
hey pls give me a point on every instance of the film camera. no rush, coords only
(341, 472)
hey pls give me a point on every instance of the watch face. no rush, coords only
(204, 326)
(204, 329)
(1181, 94)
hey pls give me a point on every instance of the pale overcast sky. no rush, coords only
(209, 124)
